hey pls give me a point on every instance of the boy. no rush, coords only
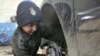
(27, 37)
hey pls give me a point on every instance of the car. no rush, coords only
(78, 22)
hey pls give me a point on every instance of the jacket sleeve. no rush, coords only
(23, 50)
(19, 48)
(48, 32)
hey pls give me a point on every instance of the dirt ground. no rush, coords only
(5, 51)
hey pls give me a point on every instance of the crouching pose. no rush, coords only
(27, 37)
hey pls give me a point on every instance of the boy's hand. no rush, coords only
(42, 51)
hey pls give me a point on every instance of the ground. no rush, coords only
(5, 51)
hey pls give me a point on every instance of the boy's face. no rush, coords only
(29, 28)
